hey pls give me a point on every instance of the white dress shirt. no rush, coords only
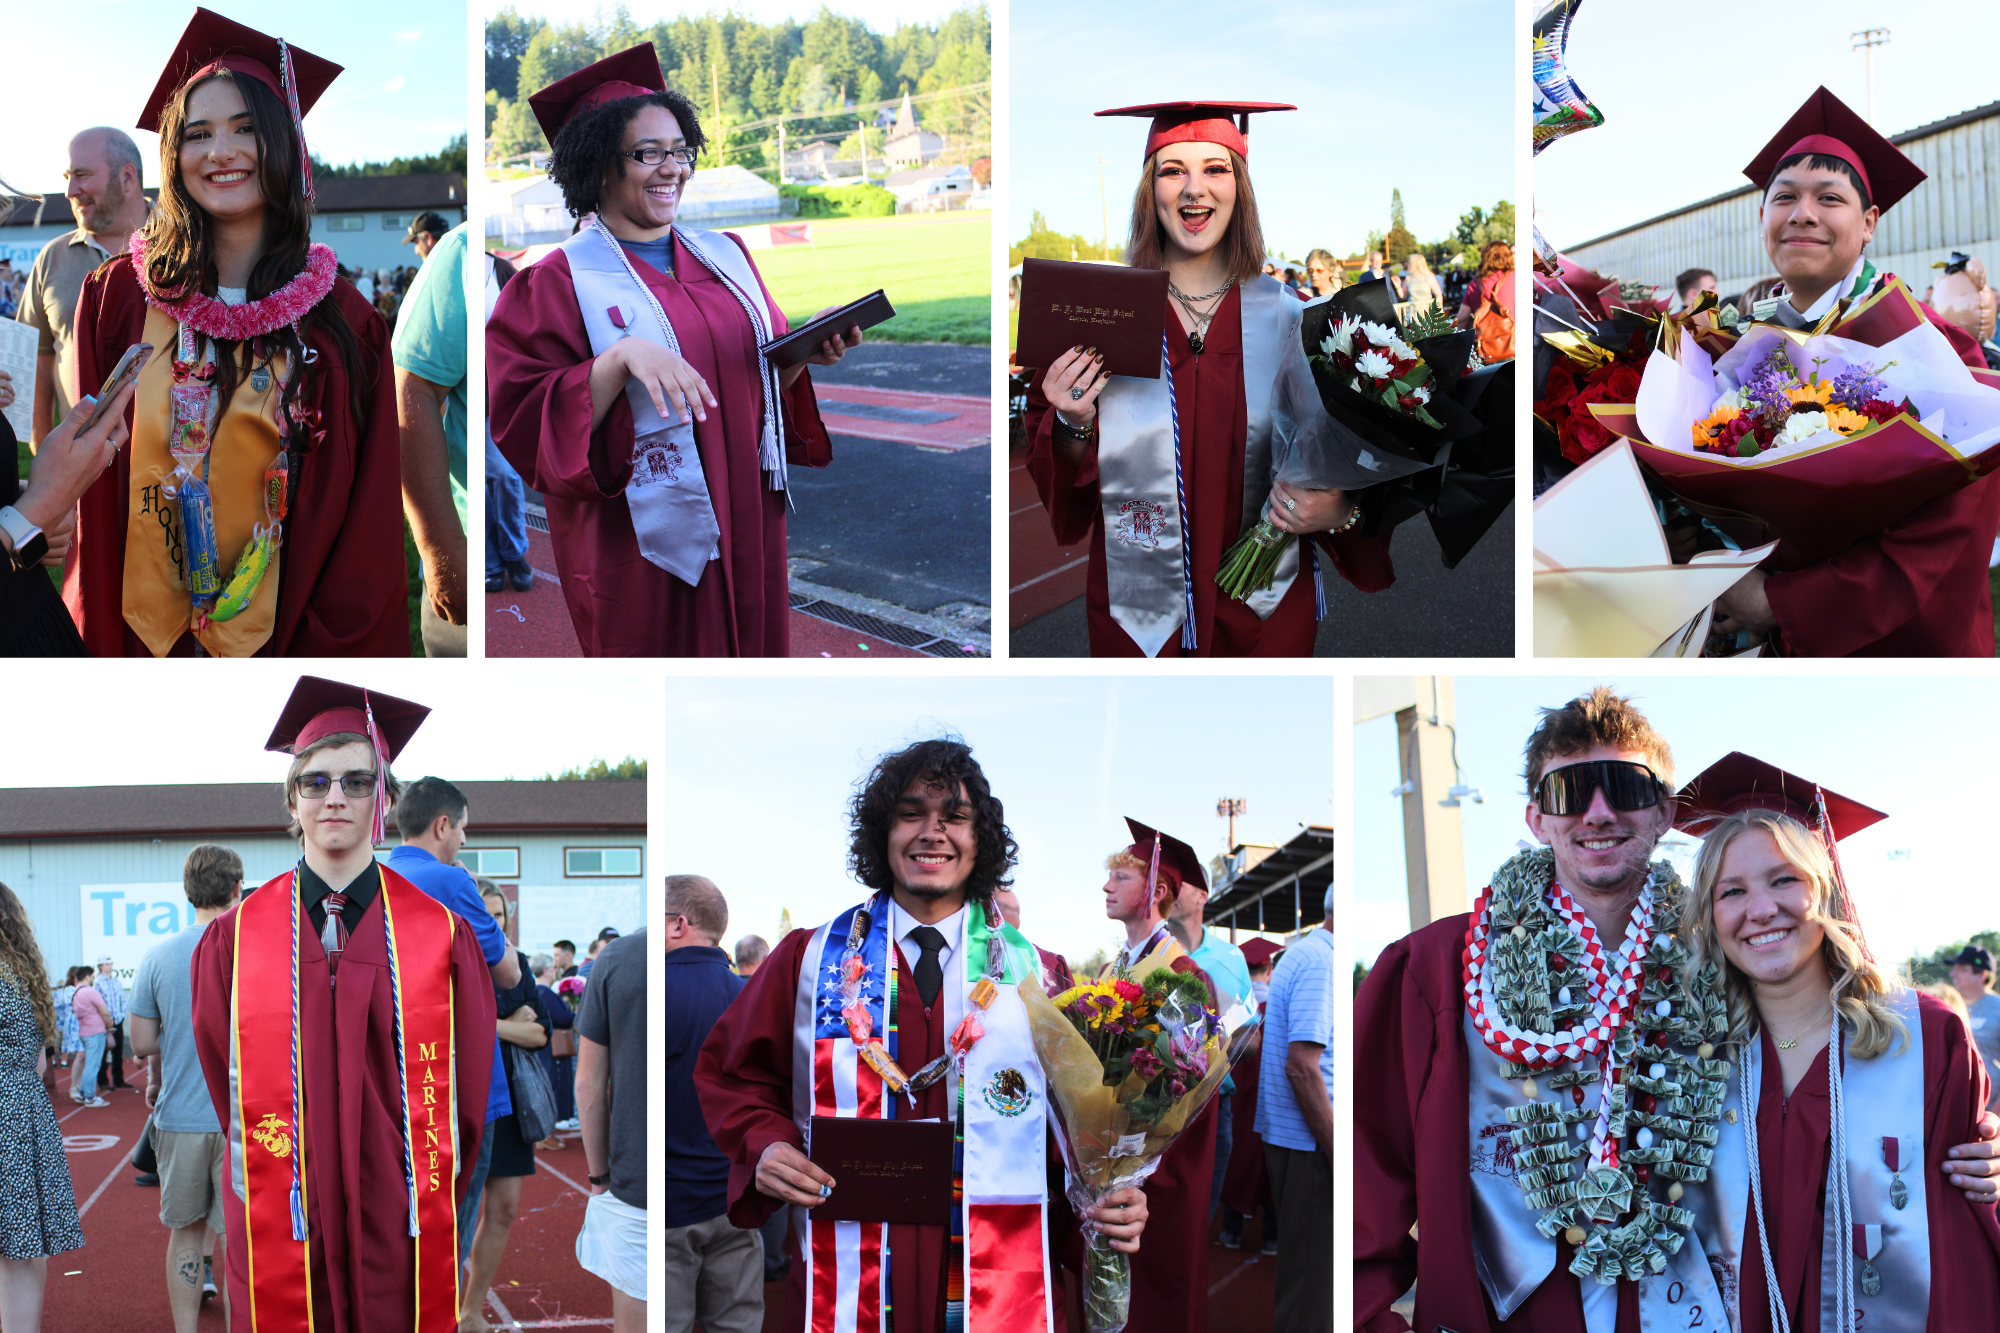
(901, 923)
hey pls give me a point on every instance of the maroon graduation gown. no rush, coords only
(1965, 1242)
(358, 1212)
(1918, 588)
(538, 391)
(744, 1076)
(1208, 391)
(1245, 1187)
(1413, 1155)
(342, 583)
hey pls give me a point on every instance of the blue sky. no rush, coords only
(1422, 99)
(1918, 748)
(401, 92)
(1691, 91)
(759, 772)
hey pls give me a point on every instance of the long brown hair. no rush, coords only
(1243, 243)
(180, 250)
(21, 960)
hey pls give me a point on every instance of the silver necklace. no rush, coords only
(1201, 320)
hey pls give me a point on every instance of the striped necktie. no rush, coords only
(333, 935)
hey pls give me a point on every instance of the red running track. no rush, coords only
(118, 1279)
(1041, 575)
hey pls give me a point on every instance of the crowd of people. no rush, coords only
(336, 405)
(534, 1050)
(928, 840)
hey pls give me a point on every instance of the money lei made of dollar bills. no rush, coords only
(1666, 1090)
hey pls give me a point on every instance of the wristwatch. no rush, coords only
(30, 545)
(604, 1179)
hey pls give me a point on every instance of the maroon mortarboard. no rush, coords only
(1738, 781)
(1258, 951)
(1826, 125)
(1199, 122)
(633, 72)
(1163, 852)
(212, 42)
(319, 708)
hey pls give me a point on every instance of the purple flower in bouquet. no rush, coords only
(1186, 1050)
(1857, 386)
(1146, 1064)
(1766, 384)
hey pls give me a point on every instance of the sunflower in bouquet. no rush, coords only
(1130, 1061)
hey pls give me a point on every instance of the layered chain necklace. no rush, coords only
(1201, 319)
(1545, 997)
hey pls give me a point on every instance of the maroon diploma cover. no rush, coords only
(792, 348)
(884, 1170)
(1120, 311)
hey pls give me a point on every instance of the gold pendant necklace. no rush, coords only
(1784, 1045)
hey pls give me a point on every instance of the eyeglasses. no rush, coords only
(1627, 786)
(313, 786)
(652, 157)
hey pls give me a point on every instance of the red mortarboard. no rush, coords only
(212, 42)
(633, 72)
(319, 707)
(1826, 125)
(1164, 852)
(1199, 122)
(1738, 781)
(1257, 951)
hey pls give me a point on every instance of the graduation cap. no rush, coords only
(212, 42)
(1199, 122)
(1739, 781)
(1258, 951)
(633, 72)
(1826, 125)
(320, 708)
(1163, 852)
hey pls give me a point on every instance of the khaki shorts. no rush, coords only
(191, 1167)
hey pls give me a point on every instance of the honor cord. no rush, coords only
(1180, 490)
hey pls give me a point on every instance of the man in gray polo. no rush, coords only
(1972, 973)
(186, 1134)
(104, 193)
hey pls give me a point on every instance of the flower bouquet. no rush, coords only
(1388, 405)
(1824, 436)
(571, 990)
(1129, 1063)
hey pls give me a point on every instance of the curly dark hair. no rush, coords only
(589, 145)
(944, 764)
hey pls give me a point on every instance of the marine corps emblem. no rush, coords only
(1141, 523)
(275, 1135)
(1007, 1092)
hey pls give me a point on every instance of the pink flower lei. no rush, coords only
(240, 323)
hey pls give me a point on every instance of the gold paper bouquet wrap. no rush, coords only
(1113, 1133)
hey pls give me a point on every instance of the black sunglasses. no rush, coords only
(316, 785)
(1627, 786)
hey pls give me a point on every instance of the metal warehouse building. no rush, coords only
(1953, 210)
(99, 868)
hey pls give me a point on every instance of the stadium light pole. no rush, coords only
(1104, 207)
(1869, 39)
(1228, 808)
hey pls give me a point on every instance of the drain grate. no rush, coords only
(922, 640)
(538, 520)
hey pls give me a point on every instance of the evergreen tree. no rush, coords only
(507, 35)
(1398, 243)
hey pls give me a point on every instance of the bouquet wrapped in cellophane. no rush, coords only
(1129, 1063)
(1823, 436)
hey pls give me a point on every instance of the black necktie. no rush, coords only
(930, 976)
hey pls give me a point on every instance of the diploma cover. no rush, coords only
(1120, 311)
(804, 340)
(884, 1170)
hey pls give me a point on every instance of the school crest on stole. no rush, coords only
(1141, 523)
(275, 1136)
(660, 462)
(1007, 1092)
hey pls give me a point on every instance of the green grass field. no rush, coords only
(937, 272)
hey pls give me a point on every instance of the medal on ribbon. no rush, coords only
(1868, 1244)
(1899, 1193)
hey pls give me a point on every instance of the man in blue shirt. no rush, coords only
(429, 351)
(1295, 1120)
(722, 1266)
(431, 816)
(1224, 964)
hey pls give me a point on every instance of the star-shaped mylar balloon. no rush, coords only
(1559, 107)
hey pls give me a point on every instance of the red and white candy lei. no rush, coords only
(239, 323)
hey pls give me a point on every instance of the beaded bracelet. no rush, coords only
(1353, 517)
(1075, 432)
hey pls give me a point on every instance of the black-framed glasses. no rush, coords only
(1627, 785)
(353, 785)
(652, 157)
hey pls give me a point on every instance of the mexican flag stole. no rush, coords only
(268, 1153)
(1000, 1279)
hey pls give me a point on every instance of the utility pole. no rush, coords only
(1229, 806)
(1869, 39)
(781, 150)
(715, 88)
(1104, 205)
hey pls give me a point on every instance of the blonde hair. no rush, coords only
(1860, 987)
(1416, 263)
(1122, 859)
(1242, 244)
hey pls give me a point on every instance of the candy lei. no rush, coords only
(1545, 999)
(853, 968)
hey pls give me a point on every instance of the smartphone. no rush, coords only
(127, 370)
